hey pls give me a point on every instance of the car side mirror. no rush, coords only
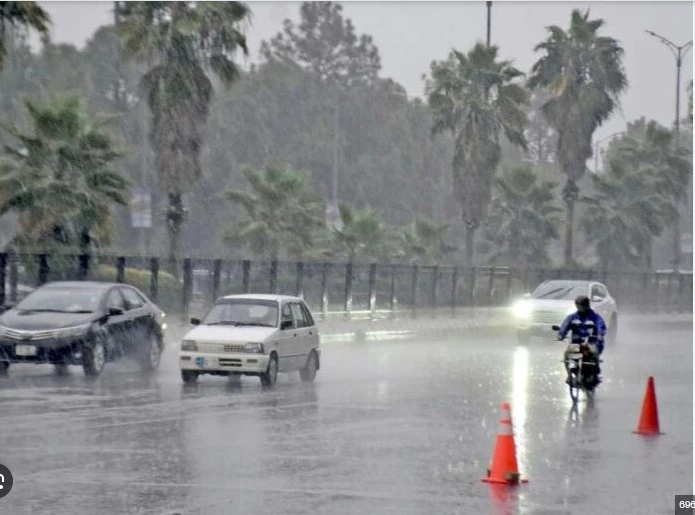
(556, 328)
(285, 324)
(114, 312)
(195, 321)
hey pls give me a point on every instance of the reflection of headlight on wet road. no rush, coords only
(521, 309)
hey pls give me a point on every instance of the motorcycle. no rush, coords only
(582, 367)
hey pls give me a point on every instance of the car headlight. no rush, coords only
(256, 348)
(73, 332)
(522, 309)
(189, 345)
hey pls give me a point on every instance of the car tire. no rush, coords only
(308, 372)
(150, 354)
(4, 366)
(61, 369)
(523, 337)
(189, 376)
(94, 358)
(270, 376)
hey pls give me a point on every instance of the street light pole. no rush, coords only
(489, 8)
(678, 52)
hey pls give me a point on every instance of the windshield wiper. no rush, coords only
(45, 310)
(221, 323)
(255, 324)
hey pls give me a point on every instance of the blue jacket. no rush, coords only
(584, 331)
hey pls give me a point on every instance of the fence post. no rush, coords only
(526, 278)
(14, 277)
(471, 290)
(656, 292)
(491, 285)
(435, 280)
(120, 269)
(372, 289)
(246, 276)
(83, 269)
(510, 284)
(3, 266)
(154, 279)
(392, 302)
(44, 269)
(681, 288)
(216, 277)
(274, 276)
(348, 289)
(414, 289)
(187, 284)
(454, 290)
(299, 289)
(643, 298)
(324, 290)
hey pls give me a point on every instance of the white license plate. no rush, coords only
(205, 362)
(25, 350)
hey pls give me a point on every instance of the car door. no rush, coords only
(139, 318)
(116, 325)
(599, 301)
(287, 340)
(303, 344)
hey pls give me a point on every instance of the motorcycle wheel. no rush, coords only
(573, 388)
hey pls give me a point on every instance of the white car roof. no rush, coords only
(263, 296)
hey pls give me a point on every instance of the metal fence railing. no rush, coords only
(333, 289)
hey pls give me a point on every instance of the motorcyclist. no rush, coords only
(588, 329)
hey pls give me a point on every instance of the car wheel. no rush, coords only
(523, 337)
(94, 358)
(270, 376)
(189, 376)
(61, 369)
(150, 354)
(4, 365)
(308, 372)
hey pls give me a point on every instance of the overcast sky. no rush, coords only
(411, 34)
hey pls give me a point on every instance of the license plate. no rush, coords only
(202, 362)
(25, 350)
(575, 356)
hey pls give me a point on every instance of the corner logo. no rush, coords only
(6, 481)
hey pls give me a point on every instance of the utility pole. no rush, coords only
(678, 52)
(489, 9)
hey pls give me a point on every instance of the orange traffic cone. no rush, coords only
(504, 468)
(649, 419)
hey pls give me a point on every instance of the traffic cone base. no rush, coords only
(649, 418)
(504, 469)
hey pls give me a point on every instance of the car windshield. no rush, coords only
(61, 300)
(243, 312)
(559, 291)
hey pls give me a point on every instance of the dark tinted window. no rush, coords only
(287, 314)
(62, 299)
(243, 312)
(132, 299)
(299, 315)
(114, 299)
(560, 291)
(307, 315)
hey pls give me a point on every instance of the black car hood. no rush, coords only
(38, 321)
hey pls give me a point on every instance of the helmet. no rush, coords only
(582, 302)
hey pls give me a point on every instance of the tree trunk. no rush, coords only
(471, 228)
(175, 217)
(570, 195)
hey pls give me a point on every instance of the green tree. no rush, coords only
(523, 218)
(182, 41)
(477, 98)
(362, 235)
(280, 213)
(59, 179)
(583, 73)
(21, 16)
(424, 241)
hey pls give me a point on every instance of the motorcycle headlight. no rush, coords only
(73, 332)
(189, 345)
(522, 309)
(256, 348)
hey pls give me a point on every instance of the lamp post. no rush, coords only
(596, 147)
(489, 8)
(678, 52)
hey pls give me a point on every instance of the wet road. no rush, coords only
(388, 427)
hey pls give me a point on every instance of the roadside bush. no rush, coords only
(168, 287)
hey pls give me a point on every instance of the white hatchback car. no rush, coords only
(254, 335)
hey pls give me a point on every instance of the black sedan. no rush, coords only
(82, 323)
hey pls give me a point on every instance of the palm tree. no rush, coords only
(363, 235)
(59, 179)
(423, 240)
(280, 213)
(627, 211)
(184, 40)
(476, 98)
(25, 15)
(523, 218)
(584, 75)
